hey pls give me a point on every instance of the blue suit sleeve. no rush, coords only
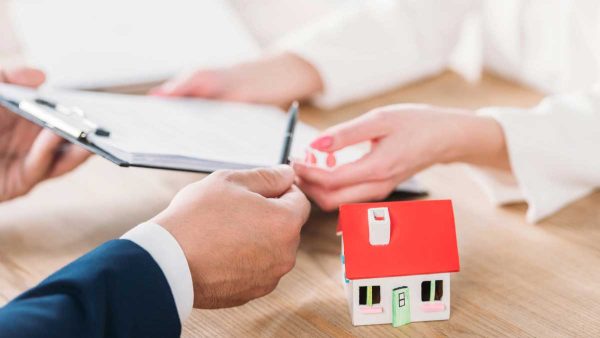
(117, 290)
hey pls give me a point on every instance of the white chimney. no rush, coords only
(379, 226)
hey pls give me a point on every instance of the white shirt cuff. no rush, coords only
(169, 256)
(499, 186)
(549, 147)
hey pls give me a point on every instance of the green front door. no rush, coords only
(400, 306)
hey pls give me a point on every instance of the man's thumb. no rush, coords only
(268, 182)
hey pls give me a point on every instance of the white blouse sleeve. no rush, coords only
(553, 150)
(370, 46)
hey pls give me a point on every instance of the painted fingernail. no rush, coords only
(322, 143)
(331, 161)
(312, 159)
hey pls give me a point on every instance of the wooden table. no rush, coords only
(516, 279)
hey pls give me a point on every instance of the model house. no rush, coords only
(397, 258)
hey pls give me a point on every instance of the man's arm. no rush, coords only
(145, 284)
(117, 290)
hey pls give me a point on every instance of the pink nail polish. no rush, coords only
(306, 156)
(331, 161)
(312, 159)
(322, 143)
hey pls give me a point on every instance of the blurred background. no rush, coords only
(118, 43)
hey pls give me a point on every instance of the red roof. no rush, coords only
(422, 240)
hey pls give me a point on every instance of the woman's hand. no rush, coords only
(28, 154)
(405, 139)
(274, 80)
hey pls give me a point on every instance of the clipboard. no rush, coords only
(72, 124)
(81, 140)
(192, 135)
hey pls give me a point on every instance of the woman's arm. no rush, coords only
(553, 150)
(361, 49)
(405, 139)
(368, 47)
(550, 149)
(28, 154)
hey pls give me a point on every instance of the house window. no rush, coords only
(439, 289)
(432, 290)
(369, 295)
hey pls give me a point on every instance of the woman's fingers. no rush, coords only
(367, 127)
(375, 165)
(40, 157)
(50, 156)
(23, 77)
(199, 84)
(70, 158)
(330, 200)
(346, 174)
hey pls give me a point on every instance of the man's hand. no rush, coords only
(274, 80)
(29, 155)
(239, 231)
(405, 139)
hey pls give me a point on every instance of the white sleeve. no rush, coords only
(370, 46)
(169, 256)
(553, 151)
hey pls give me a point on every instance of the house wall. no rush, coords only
(348, 291)
(387, 285)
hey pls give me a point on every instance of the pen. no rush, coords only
(289, 133)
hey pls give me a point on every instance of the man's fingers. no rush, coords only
(295, 200)
(68, 160)
(330, 200)
(268, 182)
(364, 128)
(276, 183)
(23, 77)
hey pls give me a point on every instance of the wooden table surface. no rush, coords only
(516, 279)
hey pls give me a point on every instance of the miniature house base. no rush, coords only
(399, 300)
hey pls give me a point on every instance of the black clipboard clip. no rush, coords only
(69, 120)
